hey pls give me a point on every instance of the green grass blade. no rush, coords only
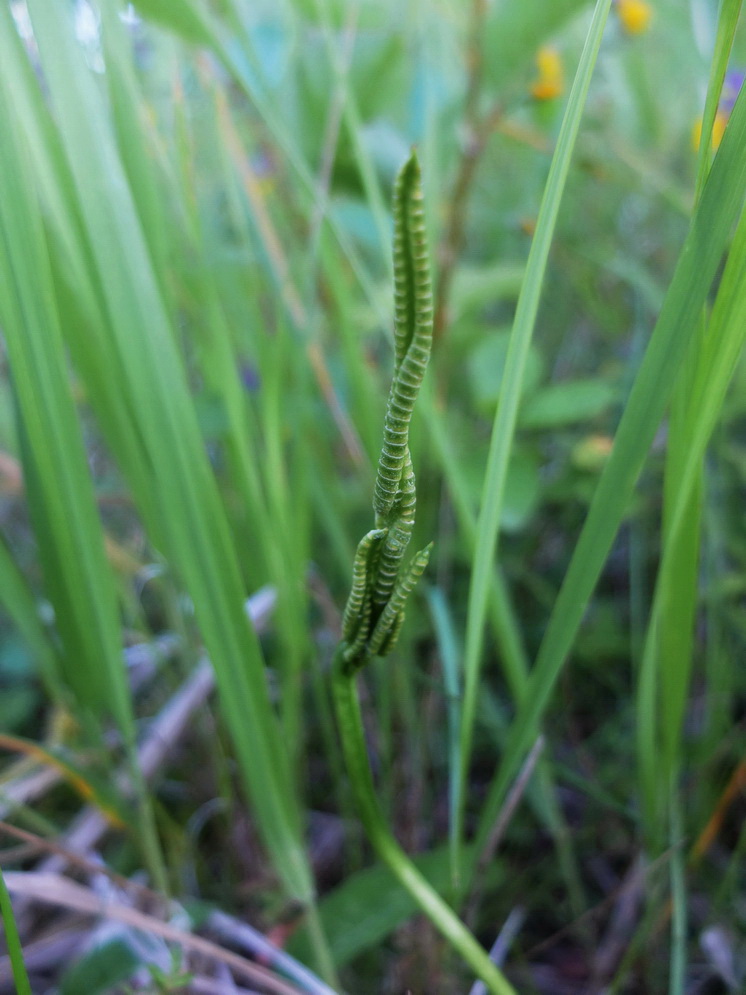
(677, 976)
(129, 112)
(730, 12)
(448, 650)
(190, 20)
(69, 250)
(13, 942)
(511, 650)
(180, 496)
(512, 385)
(20, 604)
(60, 490)
(721, 347)
(669, 646)
(354, 124)
(502, 616)
(306, 182)
(711, 224)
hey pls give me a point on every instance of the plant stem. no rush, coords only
(324, 959)
(678, 892)
(349, 720)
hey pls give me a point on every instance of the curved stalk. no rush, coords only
(349, 720)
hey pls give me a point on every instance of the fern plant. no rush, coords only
(381, 583)
(380, 588)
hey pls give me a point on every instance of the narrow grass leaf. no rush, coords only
(58, 484)
(69, 251)
(728, 17)
(503, 429)
(449, 652)
(12, 942)
(721, 202)
(19, 602)
(669, 646)
(60, 491)
(188, 19)
(181, 495)
(660, 724)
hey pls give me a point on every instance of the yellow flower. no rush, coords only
(718, 128)
(635, 15)
(592, 452)
(528, 226)
(550, 81)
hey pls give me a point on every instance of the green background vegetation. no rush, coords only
(196, 304)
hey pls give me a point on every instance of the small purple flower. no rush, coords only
(250, 377)
(731, 88)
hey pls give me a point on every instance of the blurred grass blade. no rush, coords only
(69, 251)
(180, 497)
(721, 202)
(354, 125)
(129, 114)
(721, 347)
(503, 429)
(448, 650)
(18, 601)
(729, 15)
(208, 30)
(188, 18)
(59, 488)
(12, 942)
(60, 491)
(669, 647)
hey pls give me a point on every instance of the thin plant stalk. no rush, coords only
(350, 723)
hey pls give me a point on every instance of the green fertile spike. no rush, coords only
(412, 290)
(413, 334)
(395, 544)
(355, 648)
(379, 594)
(397, 601)
(354, 610)
(374, 612)
(389, 643)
